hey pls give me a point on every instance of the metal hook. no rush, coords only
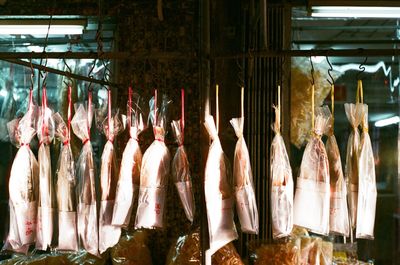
(32, 74)
(68, 72)
(312, 72)
(332, 81)
(90, 75)
(362, 68)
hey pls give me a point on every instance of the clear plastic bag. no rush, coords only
(85, 175)
(65, 187)
(313, 189)
(181, 173)
(154, 172)
(180, 166)
(354, 115)
(45, 218)
(129, 175)
(108, 233)
(246, 204)
(367, 192)
(281, 184)
(23, 184)
(218, 194)
(339, 215)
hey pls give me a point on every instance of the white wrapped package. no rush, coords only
(218, 194)
(129, 174)
(23, 184)
(181, 172)
(281, 184)
(246, 205)
(65, 188)
(108, 233)
(367, 192)
(354, 115)
(85, 174)
(154, 173)
(312, 188)
(45, 218)
(339, 215)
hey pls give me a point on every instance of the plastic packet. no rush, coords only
(180, 167)
(23, 183)
(186, 250)
(313, 190)
(367, 192)
(66, 184)
(354, 115)
(85, 175)
(154, 171)
(129, 174)
(218, 194)
(108, 234)
(339, 215)
(132, 249)
(45, 218)
(243, 182)
(285, 252)
(281, 184)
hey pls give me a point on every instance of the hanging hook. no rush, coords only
(32, 74)
(90, 75)
(283, 70)
(68, 73)
(312, 71)
(332, 81)
(362, 68)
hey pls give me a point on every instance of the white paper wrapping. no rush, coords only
(150, 210)
(354, 115)
(67, 238)
(312, 188)
(23, 185)
(281, 184)
(127, 189)
(218, 194)
(367, 191)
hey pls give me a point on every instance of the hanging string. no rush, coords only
(182, 113)
(110, 130)
(278, 117)
(242, 107)
(217, 107)
(360, 92)
(44, 117)
(155, 107)
(312, 108)
(89, 114)
(333, 105)
(69, 112)
(129, 112)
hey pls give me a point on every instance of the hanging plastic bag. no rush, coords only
(312, 189)
(45, 218)
(108, 234)
(85, 174)
(66, 184)
(180, 166)
(339, 215)
(218, 194)
(23, 183)
(354, 115)
(281, 181)
(367, 192)
(154, 171)
(246, 205)
(129, 175)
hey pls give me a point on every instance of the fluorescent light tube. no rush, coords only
(388, 121)
(41, 29)
(355, 11)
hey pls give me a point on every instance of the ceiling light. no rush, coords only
(388, 121)
(41, 26)
(355, 11)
